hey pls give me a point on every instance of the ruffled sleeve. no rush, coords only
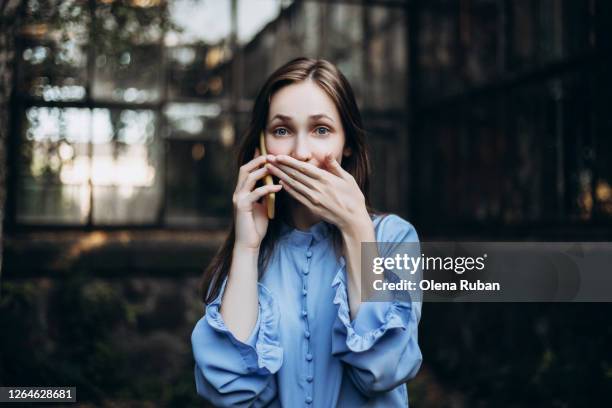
(230, 372)
(380, 346)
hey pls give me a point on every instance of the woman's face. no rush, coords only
(303, 123)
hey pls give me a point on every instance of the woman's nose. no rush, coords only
(301, 150)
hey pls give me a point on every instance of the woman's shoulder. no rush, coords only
(391, 227)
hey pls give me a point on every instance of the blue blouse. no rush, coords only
(304, 349)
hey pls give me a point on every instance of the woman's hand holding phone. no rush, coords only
(252, 216)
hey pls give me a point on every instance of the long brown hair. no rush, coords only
(332, 81)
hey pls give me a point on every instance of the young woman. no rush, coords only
(284, 324)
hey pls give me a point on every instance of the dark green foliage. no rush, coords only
(519, 354)
(84, 333)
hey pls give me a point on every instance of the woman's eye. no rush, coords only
(326, 131)
(282, 130)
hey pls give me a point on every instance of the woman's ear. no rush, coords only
(347, 151)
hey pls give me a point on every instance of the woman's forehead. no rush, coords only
(301, 101)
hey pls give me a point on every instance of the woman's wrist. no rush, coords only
(240, 249)
(359, 228)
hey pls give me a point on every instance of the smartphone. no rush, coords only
(271, 198)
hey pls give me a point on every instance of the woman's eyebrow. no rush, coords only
(321, 116)
(312, 117)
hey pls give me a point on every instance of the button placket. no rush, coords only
(308, 357)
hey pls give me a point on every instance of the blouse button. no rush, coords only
(308, 357)
(308, 399)
(308, 254)
(304, 313)
(304, 291)
(309, 378)
(307, 334)
(305, 271)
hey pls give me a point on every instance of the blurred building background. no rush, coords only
(487, 119)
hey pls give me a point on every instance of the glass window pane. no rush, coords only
(311, 25)
(386, 61)
(198, 50)
(194, 121)
(204, 22)
(199, 72)
(345, 44)
(200, 163)
(253, 16)
(199, 181)
(52, 52)
(53, 184)
(131, 76)
(128, 51)
(126, 168)
(460, 44)
(601, 132)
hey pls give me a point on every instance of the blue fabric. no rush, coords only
(304, 349)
